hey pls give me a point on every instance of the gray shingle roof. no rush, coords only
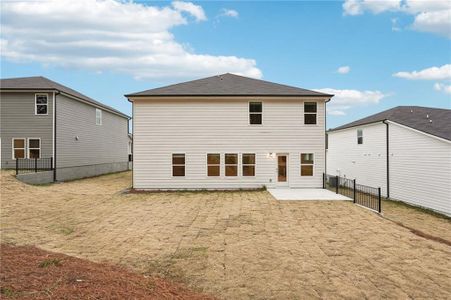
(42, 83)
(415, 117)
(228, 85)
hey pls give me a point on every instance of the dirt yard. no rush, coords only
(233, 245)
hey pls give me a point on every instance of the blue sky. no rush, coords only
(390, 52)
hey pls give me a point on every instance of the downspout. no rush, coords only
(388, 157)
(54, 134)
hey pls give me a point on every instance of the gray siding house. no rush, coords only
(44, 119)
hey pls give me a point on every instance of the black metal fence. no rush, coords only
(364, 195)
(30, 165)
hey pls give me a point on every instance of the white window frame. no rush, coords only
(213, 165)
(254, 113)
(36, 104)
(232, 165)
(311, 113)
(178, 165)
(24, 148)
(29, 148)
(307, 164)
(243, 164)
(359, 136)
(98, 116)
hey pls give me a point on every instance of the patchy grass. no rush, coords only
(50, 262)
(419, 209)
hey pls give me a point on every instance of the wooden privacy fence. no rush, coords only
(363, 195)
(30, 165)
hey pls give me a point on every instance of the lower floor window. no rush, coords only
(213, 164)
(34, 148)
(307, 164)
(18, 148)
(231, 164)
(178, 164)
(248, 160)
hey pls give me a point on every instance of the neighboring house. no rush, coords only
(43, 119)
(417, 142)
(228, 132)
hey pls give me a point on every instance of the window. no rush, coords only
(359, 136)
(178, 164)
(98, 116)
(34, 148)
(18, 148)
(231, 164)
(255, 112)
(307, 164)
(310, 112)
(41, 103)
(213, 164)
(248, 164)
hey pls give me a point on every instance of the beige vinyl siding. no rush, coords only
(420, 169)
(96, 144)
(197, 127)
(18, 120)
(365, 162)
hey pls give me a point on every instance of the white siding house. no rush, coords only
(418, 169)
(200, 135)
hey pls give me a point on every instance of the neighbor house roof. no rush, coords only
(41, 83)
(434, 121)
(227, 85)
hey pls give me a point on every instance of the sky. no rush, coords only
(373, 55)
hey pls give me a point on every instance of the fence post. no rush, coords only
(35, 164)
(336, 184)
(354, 191)
(17, 166)
(51, 163)
(324, 180)
(380, 202)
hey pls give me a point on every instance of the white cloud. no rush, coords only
(344, 69)
(229, 13)
(109, 35)
(195, 10)
(433, 73)
(347, 99)
(430, 16)
(446, 88)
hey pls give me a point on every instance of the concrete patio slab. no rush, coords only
(305, 194)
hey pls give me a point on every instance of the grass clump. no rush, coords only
(50, 262)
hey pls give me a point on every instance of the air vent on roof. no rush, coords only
(427, 116)
(430, 121)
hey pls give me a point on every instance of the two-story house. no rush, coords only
(228, 132)
(44, 119)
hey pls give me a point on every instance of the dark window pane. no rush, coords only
(307, 170)
(310, 107)
(359, 136)
(307, 158)
(213, 159)
(248, 159)
(41, 109)
(178, 171)
(178, 159)
(41, 99)
(231, 170)
(360, 140)
(231, 159)
(248, 170)
(309, 118)
(255, 107)
(255, 118)
(19, 143)
(33, 143)
(19, 153)
(35, 153)
(213, 171)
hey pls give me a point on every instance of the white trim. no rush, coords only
(254, 164)
(419, 131)
(309, 113)
(28, 146)
(98, 110)
(36, 104)
(24, 147)
(172, 165)
(301, 164)
(249, 112)
(237, 165)
(53, 125)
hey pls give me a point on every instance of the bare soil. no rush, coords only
(233, 245)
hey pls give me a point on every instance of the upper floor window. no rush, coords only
(307, 164)
(255, 112)
(359, 136)
(248, 161)
(18, 148)
(34, 148)
(310, 109)
(178, 164)
(231, 164)
(213, 164)
(41, 104)
(98, 116)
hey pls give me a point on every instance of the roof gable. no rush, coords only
(228, 85)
